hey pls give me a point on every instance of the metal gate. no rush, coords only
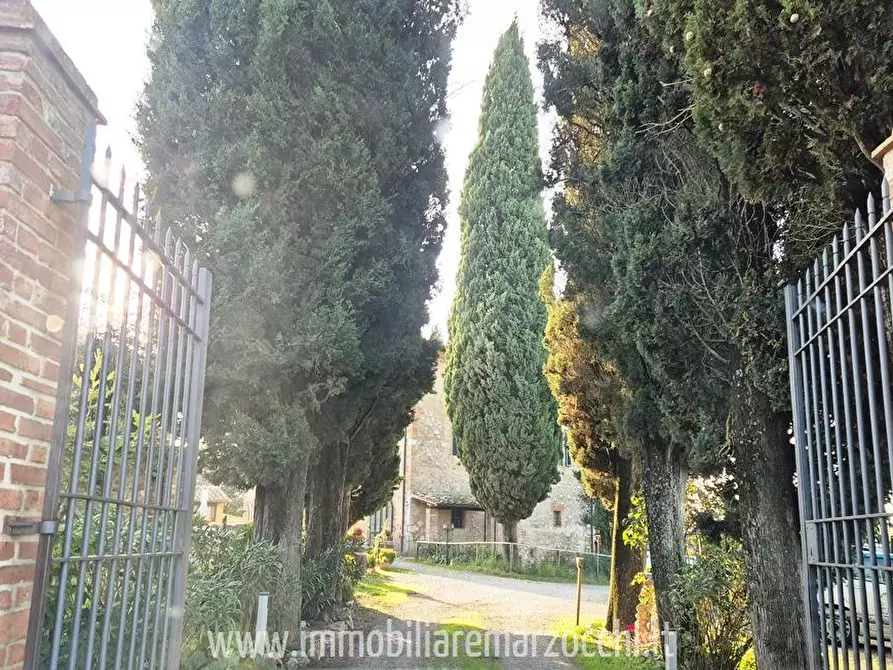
(840, 324)
(110, 584)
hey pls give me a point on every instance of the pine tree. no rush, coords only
(501, 409)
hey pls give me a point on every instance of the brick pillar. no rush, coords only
(884, 153)
(46, 108)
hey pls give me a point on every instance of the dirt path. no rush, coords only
(518, 619)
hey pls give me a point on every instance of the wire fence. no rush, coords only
(526, 559)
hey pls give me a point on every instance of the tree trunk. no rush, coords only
(268, 512)
(626, 562)
(764, 471)
(510, 534)
(325, 523)
(292, 531)
(664, 480)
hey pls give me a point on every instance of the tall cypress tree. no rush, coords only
(497, 397)
(295, 141)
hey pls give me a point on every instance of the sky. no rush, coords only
(106, 40)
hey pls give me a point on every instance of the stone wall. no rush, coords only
(46, 108)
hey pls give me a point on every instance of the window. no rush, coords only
(556, 518)
(456, 517)
(455, 447)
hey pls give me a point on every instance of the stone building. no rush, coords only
(434, 498)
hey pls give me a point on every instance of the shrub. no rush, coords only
(370, 559)
(386, 556)
(711, 594)
(228, 568)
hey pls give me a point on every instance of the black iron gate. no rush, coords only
(110, 583)
(840, 325)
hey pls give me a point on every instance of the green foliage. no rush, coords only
(791, 96)
(295, 144)
(501, 410)
(228, 568)
(335, 565)
(386, 556)
(713, 593)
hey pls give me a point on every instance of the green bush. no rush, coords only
(711, 596)
(228, 568)
(370, 559)
(386, 556)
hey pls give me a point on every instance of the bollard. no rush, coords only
(670, 648)
(579, 585)
(260, 625)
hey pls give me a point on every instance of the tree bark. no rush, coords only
(626, 562)
(664, 480)
(325, 523)
(510, 534)
(291, 541)
(764, 471)
(268, 512)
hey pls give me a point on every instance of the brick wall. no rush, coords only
(45, 110)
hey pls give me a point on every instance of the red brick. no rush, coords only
(13, 626)
(45, 409)
(23, 288)
(50, 370)
(5, 375)
(15, 655)
(45, 347)
(33, 501)
(27, 550)
(10, 398)
(27, 475)
(13, 449)
(27, 241)
(35, 429)
(5, 599)
(38, 454)
(16, 333)
(17, 358)
(7, 422)
(11, 500)
(45, 389)
(31, 169)
(13, 574)
(7, 550)
(25, 314)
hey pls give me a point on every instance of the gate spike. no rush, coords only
(872, 208)
(860, 226)
(885, 195)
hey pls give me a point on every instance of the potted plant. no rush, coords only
(386, 558)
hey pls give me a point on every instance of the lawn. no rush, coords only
(544, 572)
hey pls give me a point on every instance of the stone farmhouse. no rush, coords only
(434, 498)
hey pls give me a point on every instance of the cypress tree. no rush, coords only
(294, 142)
(591, 396)
(502, 412)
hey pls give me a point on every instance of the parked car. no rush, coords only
(876, 598)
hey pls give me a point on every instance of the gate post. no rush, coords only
(809, 585)
(46, 109)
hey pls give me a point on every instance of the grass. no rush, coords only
(377, 591)
(543, 572)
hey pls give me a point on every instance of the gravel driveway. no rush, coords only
(511, 605)
(525, 610)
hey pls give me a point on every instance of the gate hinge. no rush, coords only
(16, 525)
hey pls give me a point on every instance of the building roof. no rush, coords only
(448, 499)
(215, 493)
